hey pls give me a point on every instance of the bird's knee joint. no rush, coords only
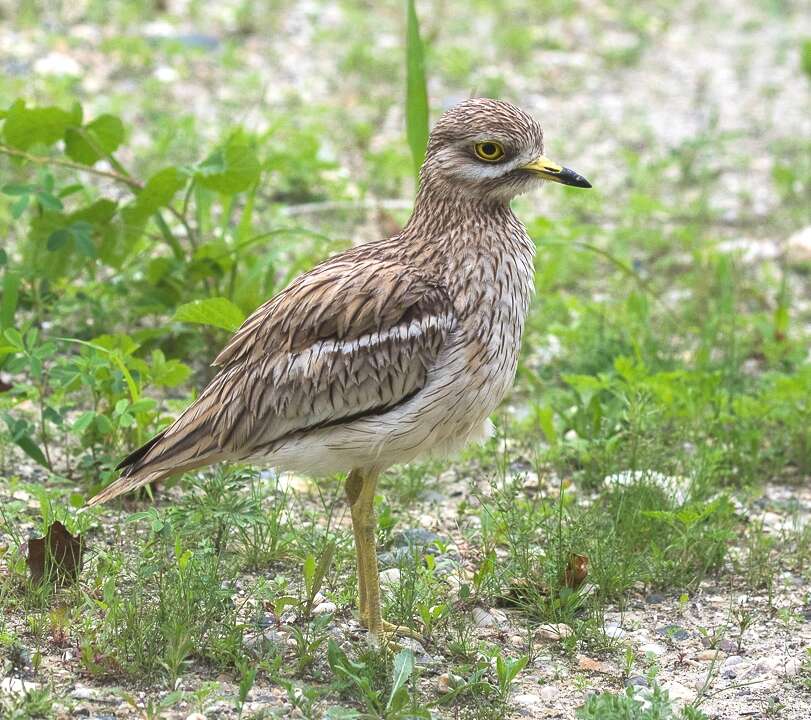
(368, 528)
(353, 487)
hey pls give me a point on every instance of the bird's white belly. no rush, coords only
(450, 412)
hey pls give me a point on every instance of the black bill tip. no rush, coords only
(567, 176)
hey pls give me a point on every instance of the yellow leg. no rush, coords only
(353, 486)
(360, 490)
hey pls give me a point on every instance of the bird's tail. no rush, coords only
(168, 453)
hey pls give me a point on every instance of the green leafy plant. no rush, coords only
(309, 641)
(507, 671)
(33, 702)
(626, 706)
(396, 704)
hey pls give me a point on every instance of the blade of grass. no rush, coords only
(416, 90)
(621, 266)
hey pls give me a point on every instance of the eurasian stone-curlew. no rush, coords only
(388, 351)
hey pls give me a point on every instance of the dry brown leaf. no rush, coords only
(589, 665)
(576, 571)
(57, 557)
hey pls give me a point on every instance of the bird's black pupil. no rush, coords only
(489, 149)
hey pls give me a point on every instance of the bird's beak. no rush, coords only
(548, 170)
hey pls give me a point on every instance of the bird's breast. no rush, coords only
(492, 301)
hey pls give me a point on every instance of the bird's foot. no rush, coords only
(385, 632)
(402, 631)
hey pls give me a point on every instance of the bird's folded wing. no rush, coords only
(353, 337)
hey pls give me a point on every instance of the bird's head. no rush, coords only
(490, 150)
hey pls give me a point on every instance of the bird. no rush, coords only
(390, 351)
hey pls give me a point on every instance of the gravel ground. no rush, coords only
(698, 644)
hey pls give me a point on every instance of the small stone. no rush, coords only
(17, 686)
(781, 665)
(674, 632)
(57, 63)
(732, 667)
(389, 578)
(636, 681)
(554, 631)
(454, 583)
(418, 537)
(166, 74)
(528, 700)
(590, 665)
(395, 557)
(615, 632)
(446, 566)
(261, 642)
(531, 481)
(488, 618)
(798, 246)
(196, 716)
(81, 692)
(257, 708)
(679, 692)
(655, 599)
(447, 682)
(653, 649)
(791, 667)
(728, 647)
(325, 608)
(421, 656)
(710, 655)
(549, 693)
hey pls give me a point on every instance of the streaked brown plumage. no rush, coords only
(388, 351)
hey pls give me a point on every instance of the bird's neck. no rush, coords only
(439, 211)
(473, 245)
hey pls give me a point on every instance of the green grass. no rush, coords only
(624, 706)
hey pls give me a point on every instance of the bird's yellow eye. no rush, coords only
(489, 151)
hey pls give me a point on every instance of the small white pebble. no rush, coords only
(528, 700)
(325, 608)
(390, 578)
(554, 631)
(653, 648)
(56, 63)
